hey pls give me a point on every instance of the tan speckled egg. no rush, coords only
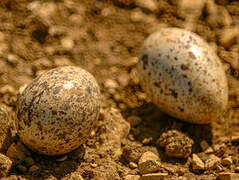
(183, 76)
(57, 111)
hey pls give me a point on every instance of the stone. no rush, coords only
(209, 150)
(219, 149)
(133, 165)
(17, 152)
(42, 63)
(212, 162)
(67, 43)
(34, 168)
(148, 163)
(132, 61)
(7, 89)
(154, 176)
(5, 165)
(176, 144)
(227, 161)
(111, 84)
(132, 152)
(13, 59)
(134, 76)
(228, 176)
(197, 163)
(94, 165)
(123, 79)
(225, 17)
(132, 177)
(137, 16)
(228, 36)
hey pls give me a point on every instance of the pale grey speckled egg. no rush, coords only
(183, 76)
(57, 111)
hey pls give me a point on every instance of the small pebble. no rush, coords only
(94, 165)
(154, 176)
(176, 144)
(229, 36)
(130, 62)
(227, 161)
(134, 76)
(17, 152)
(148, 163)
(5, 165)
(147, 140)
(7, 89)
(123, 79)
(67, 43)
(34, 168)
(133, 165)
(219, 149)
(13, 59)
(212, 162)
(197, 163)
(111, 84)
(209, 150)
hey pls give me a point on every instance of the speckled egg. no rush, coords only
(183, 76)
(58, 110)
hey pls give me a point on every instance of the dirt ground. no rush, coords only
(104, 37)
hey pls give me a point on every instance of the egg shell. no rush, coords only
(57, 111)
(183, 76)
